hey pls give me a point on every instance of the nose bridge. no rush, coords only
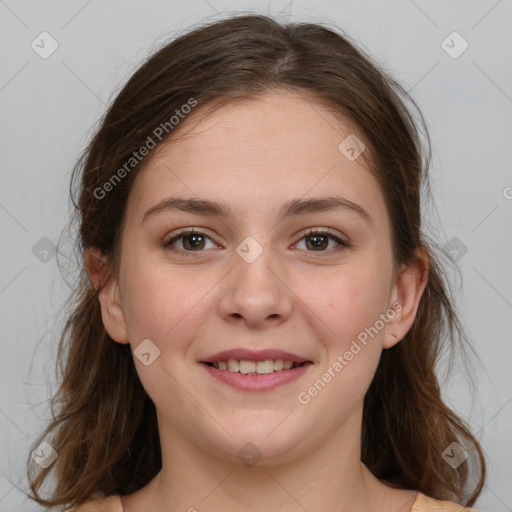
(255, 267)
(256, 289)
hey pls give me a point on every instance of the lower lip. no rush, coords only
(263, 382)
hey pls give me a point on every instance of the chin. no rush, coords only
(268, 440)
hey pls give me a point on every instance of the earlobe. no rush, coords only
(112, 313)
(406, 295)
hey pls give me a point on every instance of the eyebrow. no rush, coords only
(292, 208)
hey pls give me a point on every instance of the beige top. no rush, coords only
(422, 503)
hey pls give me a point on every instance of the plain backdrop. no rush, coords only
(49, 107)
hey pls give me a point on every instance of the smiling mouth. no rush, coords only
(264, 367)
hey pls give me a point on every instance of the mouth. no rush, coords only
(247, 367)
(256, 371)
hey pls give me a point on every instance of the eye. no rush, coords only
(191, 240)
(320, 238)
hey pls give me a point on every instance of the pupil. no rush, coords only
(197, 241)
(316, 243)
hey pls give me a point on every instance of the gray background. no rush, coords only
(50, 106)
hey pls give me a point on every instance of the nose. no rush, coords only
(257, 293)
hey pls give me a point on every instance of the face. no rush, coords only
(296, 266)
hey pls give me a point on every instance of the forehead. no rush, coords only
(280, 145)
(283, 121)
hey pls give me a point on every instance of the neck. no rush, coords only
(327, 477)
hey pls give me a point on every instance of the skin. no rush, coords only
(254, 156)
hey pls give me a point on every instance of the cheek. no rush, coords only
(167, 304)
(353, 299)
(164, 307)
(350, 305)
(155, 300)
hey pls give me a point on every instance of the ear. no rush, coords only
(112, 313)
(405, 298)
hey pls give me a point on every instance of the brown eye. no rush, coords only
(318, 241)
(190, 241)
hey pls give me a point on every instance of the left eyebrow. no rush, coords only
(292, 208)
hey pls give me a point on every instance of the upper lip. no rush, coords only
(254, 355)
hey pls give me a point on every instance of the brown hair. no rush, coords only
(103, 422)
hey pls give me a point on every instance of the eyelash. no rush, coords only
(343, 244)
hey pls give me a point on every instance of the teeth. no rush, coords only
(278, 365)
(233, 365)
(247, 367)
(254, 367)
(265, 366)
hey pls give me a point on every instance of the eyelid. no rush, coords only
(185, 231)
(323, 231)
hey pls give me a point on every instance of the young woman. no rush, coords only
(259, 315)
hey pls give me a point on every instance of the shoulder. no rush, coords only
(424, 503)
(109, 504)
